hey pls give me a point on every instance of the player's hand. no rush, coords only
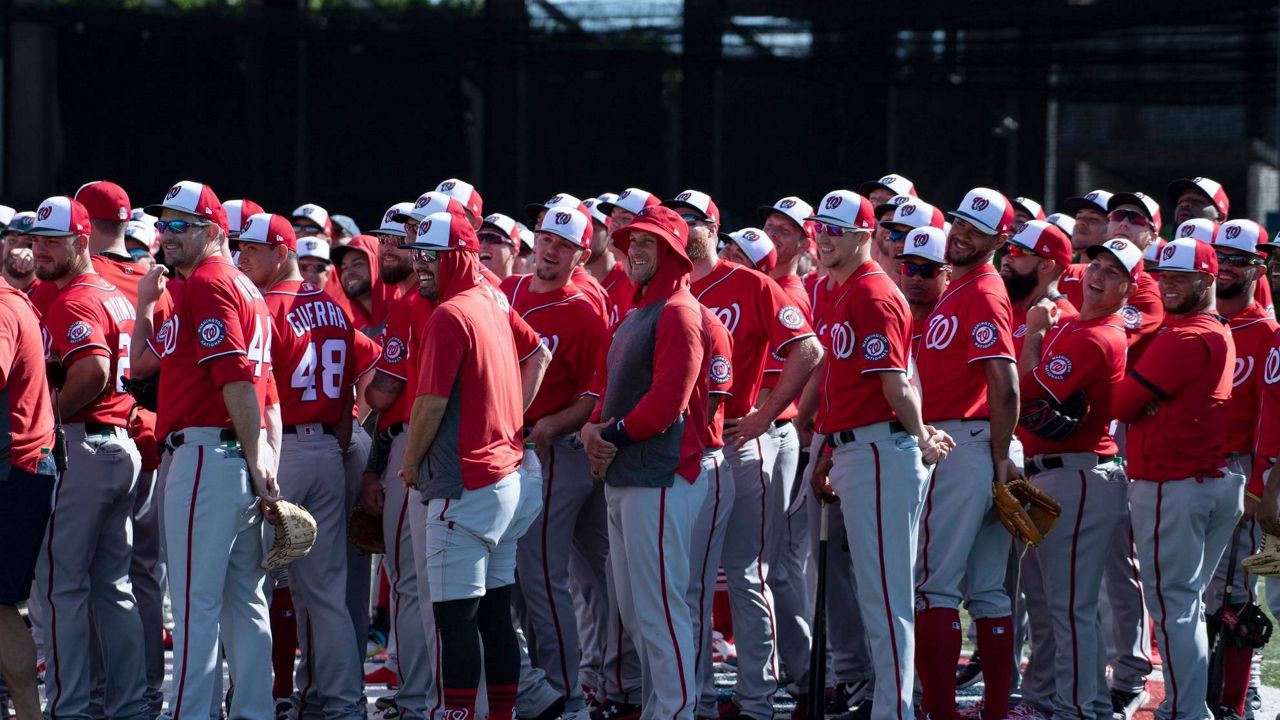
(818, 481)
(262, 471)
(1151, 408)
(151, 286)
(599, 451)
(804, 433)
(1006, 470)
(541, 437)
(409, 476)
(936, 446)
(22, 260)
(1268, 513)
(738, 431)
(371, 492)
(1042, 316)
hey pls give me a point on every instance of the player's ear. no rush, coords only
(586, 256)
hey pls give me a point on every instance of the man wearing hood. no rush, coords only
(645, 440)
(479, 370)
(366, 294)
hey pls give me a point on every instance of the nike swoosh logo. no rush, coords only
(1070, 279)
(973, 433)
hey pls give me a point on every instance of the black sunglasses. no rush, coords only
(928, 272)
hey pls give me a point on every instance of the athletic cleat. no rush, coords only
(970, 673)
(1125, 704)
(381, 675)
(847, 695)
(284, 709)
(723, 652)
(970, 712)
(385, 709)
(611, 710)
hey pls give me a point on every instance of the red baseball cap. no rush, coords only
(1211, 189)
(1189, 256)
(444, 231)
(268, 229)
(465, 193)
(104, 200)
(239, 212)
(60, 216)
(1046, 240)
(192, 198)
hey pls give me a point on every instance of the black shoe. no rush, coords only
(1226, 713)
(1252, 703)
(553, 711)
(970, 673)
(610, 710)
(847, 695)
(1125, 704)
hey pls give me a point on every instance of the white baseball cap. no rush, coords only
(593, 207)
(60, 216)
(193, 198)
(846, 209)
(506, 227)
(757, 247)
(310, 247)
(1201, 229)
(526, 237)
(568, 223)
(697, 200)
(558, 200)
(1243, 235)
(390, 224)
(915, 213)
(238, 213)
(6, 215)
(428, 203)
(1188, 255)
(143, 232)
(1152, 253)
(790, 206)
(896, 184)
(1030, 207)
(927, 243)
(465, 193)
(316, 214)
(632, 200)
(1127, 253)
(1148, 205)
(1065, 222)
(986, 209)
(1095, 200)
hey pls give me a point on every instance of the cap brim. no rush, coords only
(1127, 199)
(764, 211)
(392, 232)
(606, 208)
(531, 211)
(835, 221)
(1181, 185)
(680, 205)
(51, 232)
(1074, 205)
(870, 186)
(973, 221)
(402, 217)
(903, 256)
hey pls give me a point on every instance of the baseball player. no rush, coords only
(1024, 211)
(107, 205)
(879, 192)
(877, 445)
(571, 529)
(925, 250)
(465, 420)
(86, 555)
(367, 296)
(1034, 260)
(885, 194)
(970, 391)
(645, 441)
(467, 195)
(314, 262)
(18, 267)
(215, 351)
(607, 269)
(310, 220)
(499, 244)
(759, 316)
(1073, 458)
(585, 281)
(26, 459)
(1252, 329)
(315, 345)
(344, 228)
(1184, 502)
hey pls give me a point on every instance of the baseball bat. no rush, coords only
(818, 650)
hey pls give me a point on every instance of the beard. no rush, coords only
(56, 272)
(696, 248)
(1019, 286)
(1230, 292)
(394, 274)
(357, 288)
(1194, 300)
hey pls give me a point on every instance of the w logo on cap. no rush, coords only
(389, 217)
(173, 192)
(787, 204)
(1233, 232)
(908, 210)
(833, 202)
(920, 239)
(1091, 196)
(422, 202)
(979, 204)
(1168, 252)
(683, 196)
(888, 179)
(625, 194)
(1116, 245)
(562, 218)
(45, 212)
(750, 236)
(447, 186)
(1188, 231)
(424, 228)
(248, 225)
(555, 200)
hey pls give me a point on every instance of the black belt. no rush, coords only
(176, 440)
(780, 423)
(844, 437)
(97, 428)
(1054, 462)
(326, 428)
(392, 431)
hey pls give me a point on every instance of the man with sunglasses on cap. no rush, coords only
(925, 251)
(1252, 331)
(86, 556)
(1070, 366)
(316, 348)
(569, 538)
(1184, 501)
(969, 386)
(762, 319)
(215, 351)
(479, 368)
(877, 445)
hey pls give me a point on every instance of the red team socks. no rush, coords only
(1235, 678)
(460, 703)
(284, 641)
(502, 701)
(995, 645)
(937, 651)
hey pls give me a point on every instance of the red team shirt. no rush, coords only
(313, 352)
(1018, 320)
(90, 317)
(969, 324)
(407, 320)
(24, 390)
(759, 316)
(1078, 355)
(1252, 330)
(869, 333)
(1142, 314)
(572, 329)
(1266, 444)
(794, 289)
(1185, 437)
(592, 290)
(719, 351)
(619, 289)
(220, 332)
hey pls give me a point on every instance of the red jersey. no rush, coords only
(407, 316)
(90, 317)
(759, 316)
(592, 291)
(1018, 320)
(24, 388)
(1187, 369)
(1071, 283)
(619, 289)
(468, 355)
(969, 324)
(1267, 444)
(794, 289)
(719, 353)
(1142, 316)
(125, 275)
(870, 334)
(573, 330)
(41, 294)
(314, 347)
(1251, 332)
(1078, 356)
(1262, 294)
(220, 332)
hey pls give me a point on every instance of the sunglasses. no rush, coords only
(425, 256)
(178, 227)
(833, 230)
(692, 219)
(1237, 261)
(392, 240)
(1133, 217)
(492, 238)
(898, 235)
(307, 228)
(928, 272)
(316, 268)
(1012, 250)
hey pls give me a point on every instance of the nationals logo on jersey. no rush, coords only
(1058, 367)
(78, 331)
(1271, 370)
(842, 340)
(1021, 331)
(1131, 316)
(941, 331)
(211, 332)
(552, 343)
(790, 318)
(394, 351)
(875, 347)
(729, 316)
(168, 335)
(720, 370)
(985, 334)
(1244, 369)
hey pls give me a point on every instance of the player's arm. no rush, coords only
(424, 423)
(803, 356)
(345, 421)
(144, 361)
(1170, 362)
(677, 360)
(1002, 401)
(242, 406)
(382, 390)
(87, 378)
(532, 369)
(1040, 318)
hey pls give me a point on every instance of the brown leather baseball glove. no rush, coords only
(295, 534)
(1025, 510)
(364, 530)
